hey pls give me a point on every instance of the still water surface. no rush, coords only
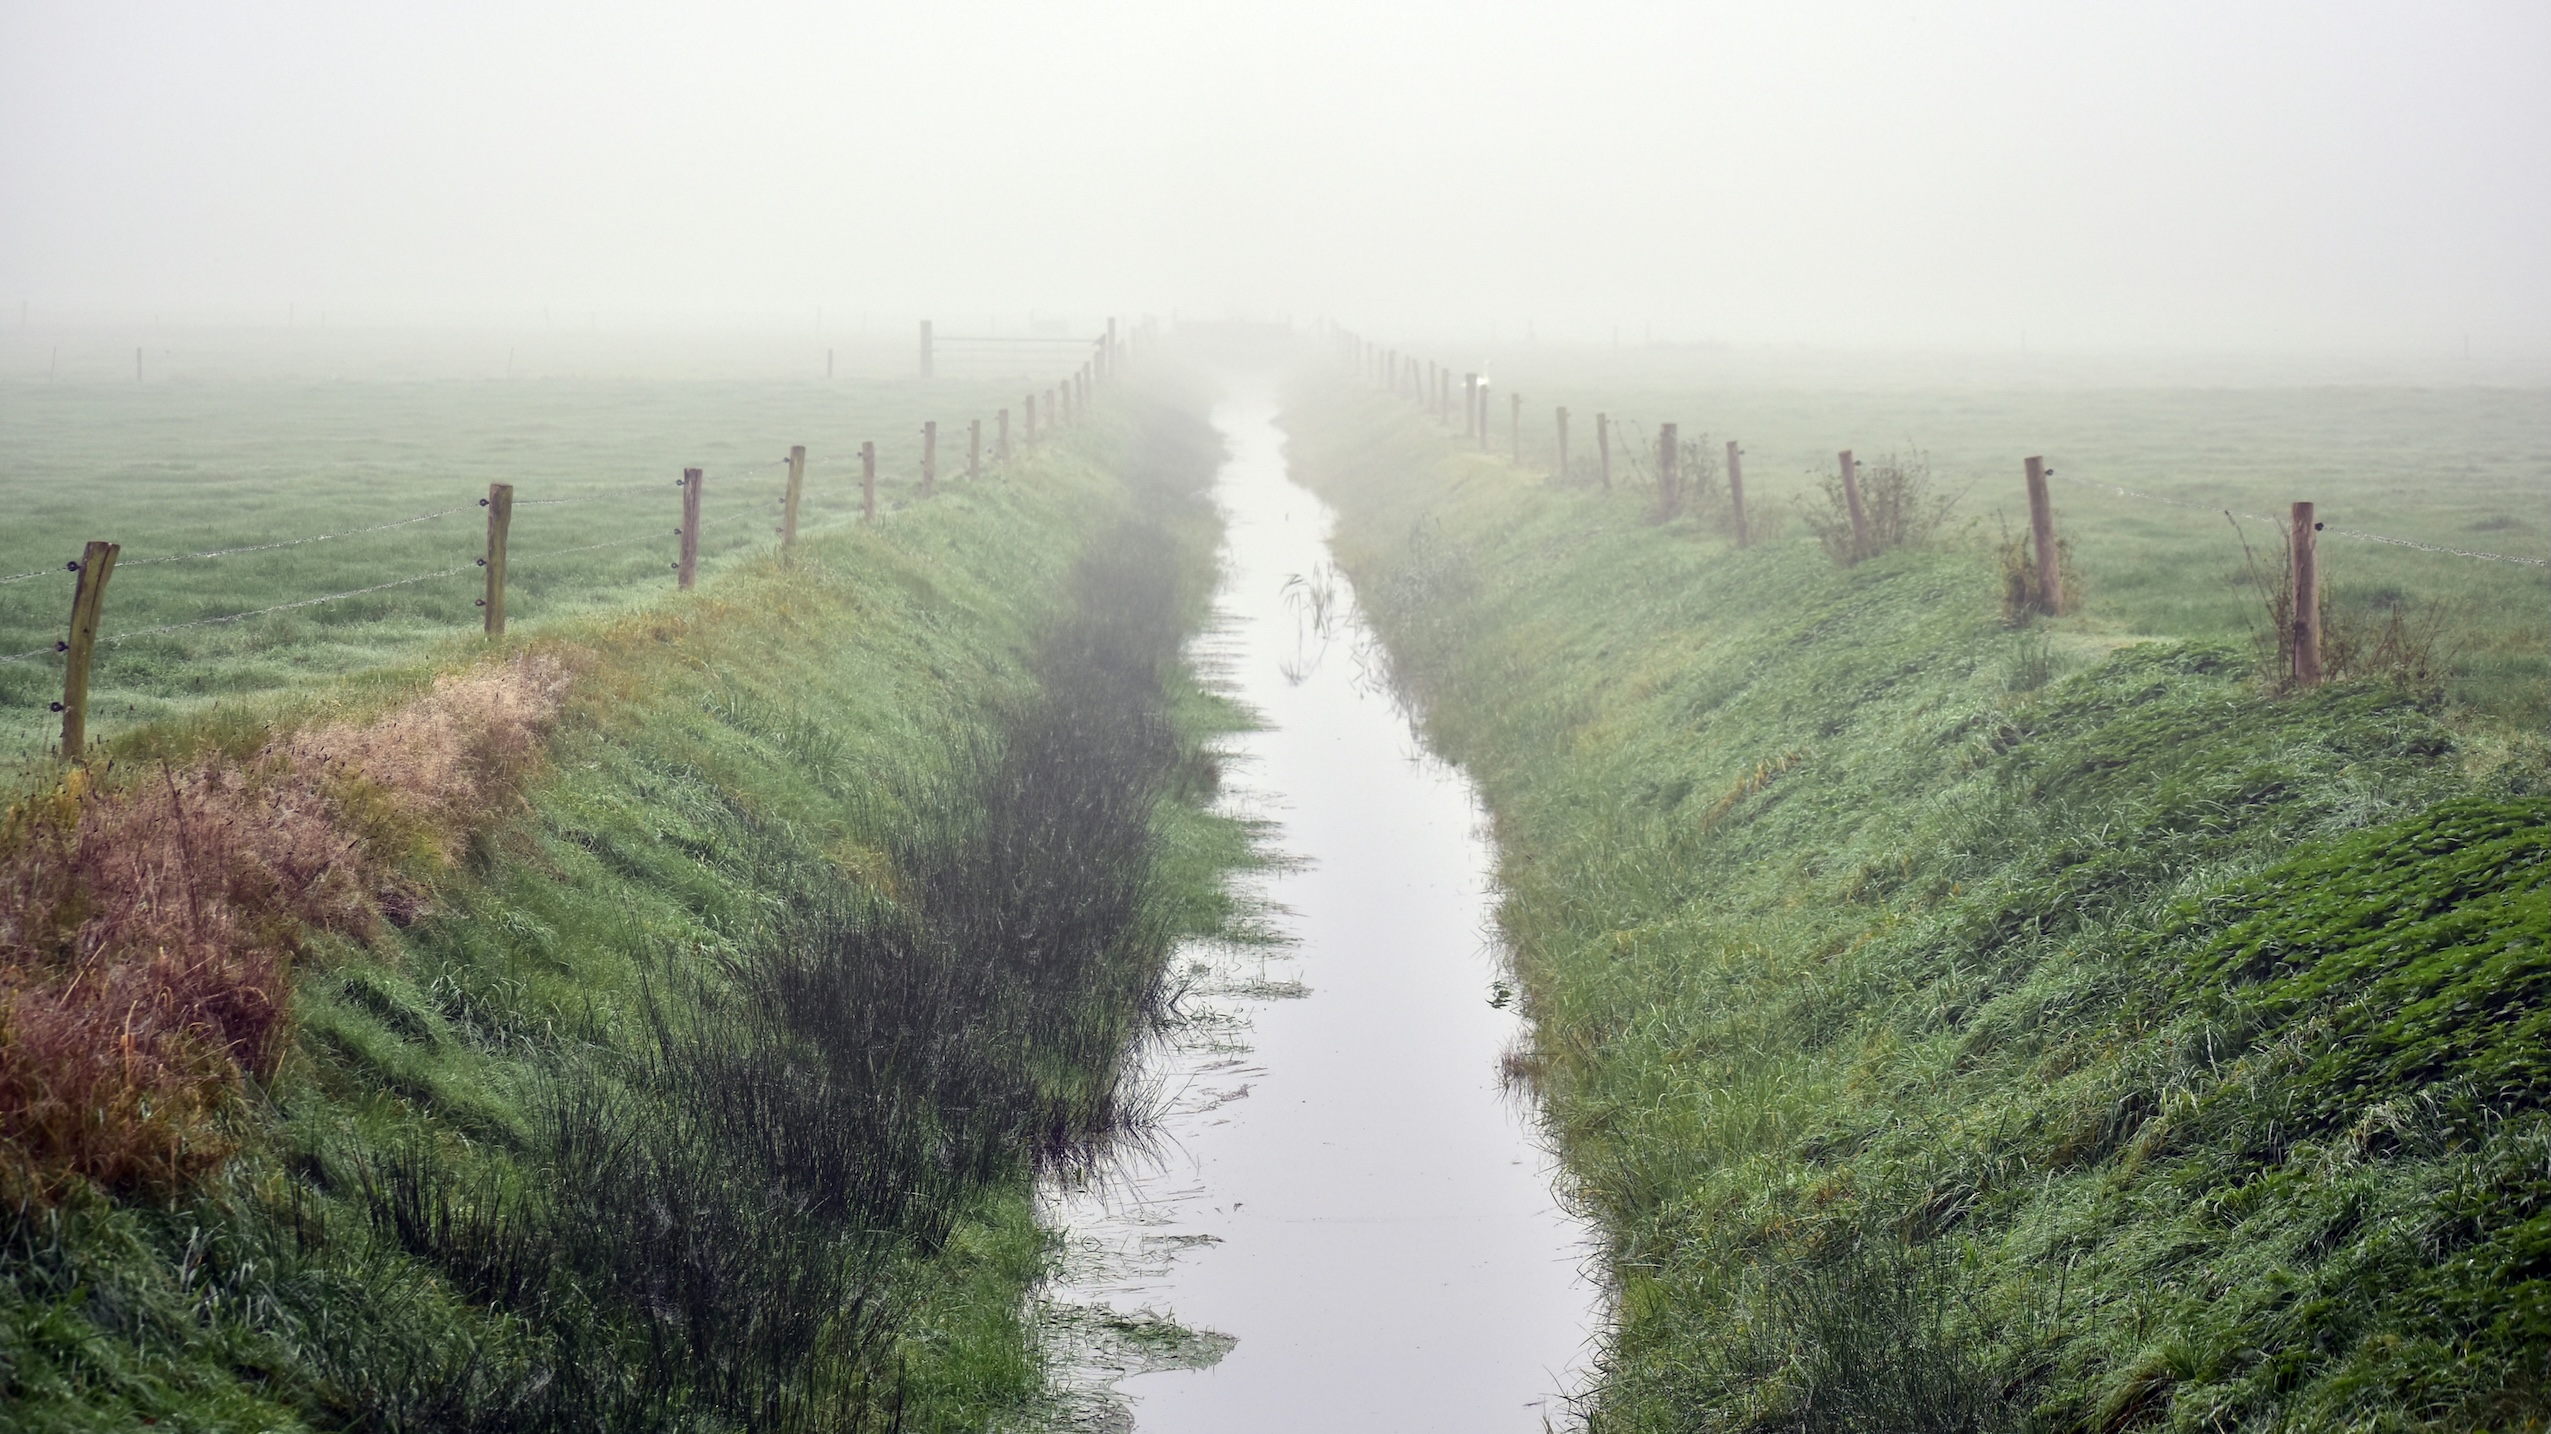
(1341, 1185)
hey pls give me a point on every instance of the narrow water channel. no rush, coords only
(1342, 1189)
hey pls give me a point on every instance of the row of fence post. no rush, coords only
(1112, 353)
(1430, 389)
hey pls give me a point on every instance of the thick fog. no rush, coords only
(2285, 176)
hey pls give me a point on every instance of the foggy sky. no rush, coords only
(2275, 176)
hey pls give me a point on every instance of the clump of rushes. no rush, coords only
(150, 912)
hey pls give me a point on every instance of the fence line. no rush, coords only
(1106, 360)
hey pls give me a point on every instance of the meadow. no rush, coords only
(251, 460)
(1965, 1024)
(2451, 464)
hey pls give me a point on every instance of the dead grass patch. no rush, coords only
(150, 914)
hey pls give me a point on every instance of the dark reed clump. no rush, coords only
(712, 1233)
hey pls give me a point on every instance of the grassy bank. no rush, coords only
(685, 1063)
(1953, 1027)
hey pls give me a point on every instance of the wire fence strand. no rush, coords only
(2332, 528)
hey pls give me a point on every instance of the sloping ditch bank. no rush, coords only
(1948, 1039)
(687, 1070)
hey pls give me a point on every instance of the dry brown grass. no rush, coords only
(150, 915)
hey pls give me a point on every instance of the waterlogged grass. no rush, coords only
(708, 1091)
(1954, 1028)
(181, 468)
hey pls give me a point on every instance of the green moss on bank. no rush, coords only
(708, 1091)
(1942, 1042)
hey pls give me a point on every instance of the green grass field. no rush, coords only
(2454, 466)
(699, 1077)
(184, 467)
(1964, 1029)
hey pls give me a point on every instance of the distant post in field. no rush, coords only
(1851, 500)
(2041, 535)
(2307, 597)
(1515, 424)
(868, 482)
(1603, 448)
(1001, 441)
(1470, 404)
(1669, 476)
(929, 458)
(500, 521)
(1483, 416)
(1027, 409)
(929, 352)
(686, 569)
(973, 449)
(88, 600)
(1736, 488)
(1563, 445)
(788, 504)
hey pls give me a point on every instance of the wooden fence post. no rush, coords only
(2307, 597)
(929, 354)
(1851, 500)
(88, 599)
(1669, 473)
(1001, 444)
(1470, 405)
(868, 482)
(500, 521)
(2041, 533)
(788, 504)
(1515, 424)
(1603, 447)
(686, 569)
(1028, 407)
(1736, 488)
(929, 458)
(1563, 445)
(973, 449)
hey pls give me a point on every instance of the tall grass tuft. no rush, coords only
(1896, 497)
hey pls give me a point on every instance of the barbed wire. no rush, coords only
(38, 573)
(288, 542)
(2125, 492)
(120, 637)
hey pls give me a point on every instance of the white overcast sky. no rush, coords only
(2282, 175)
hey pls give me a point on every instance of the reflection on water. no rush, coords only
(1344, 1214)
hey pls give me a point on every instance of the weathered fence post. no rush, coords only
(973, 449)
(2041, 533)
(2307, 597)
(929, 355)
(1563, 445)
(1851, 500)
(1470, 405)
(500, 521)
(868, 482)
(88, 599)
(1736, 488)
(1603, 447)
(686, 569)
(929, 458)
(1669, 473)
(1028, 408)
(1001, 443)
(788, 504)
(1483, 416)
